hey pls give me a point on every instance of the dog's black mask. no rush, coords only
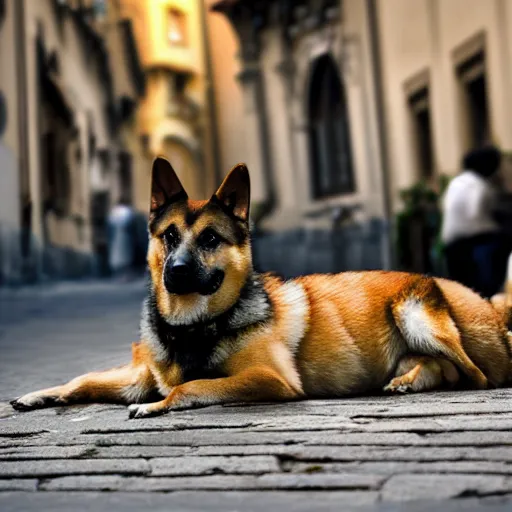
(184, 275)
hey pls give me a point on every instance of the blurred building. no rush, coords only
(338, 105)
(175, 114)
(70, 81)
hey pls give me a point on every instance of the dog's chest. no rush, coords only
(193, 350)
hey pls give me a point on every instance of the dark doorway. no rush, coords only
(419, 108)
(475, 108)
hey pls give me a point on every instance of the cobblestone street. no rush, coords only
(353, 454)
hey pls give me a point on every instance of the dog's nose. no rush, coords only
(181, 266)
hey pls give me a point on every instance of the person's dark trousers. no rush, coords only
(479, 262)
(459, 263)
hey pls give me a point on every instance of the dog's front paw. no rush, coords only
(145, 410)
(32, 401)
(398, 385)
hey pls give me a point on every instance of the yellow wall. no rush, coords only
(161, 61)
(223, 43)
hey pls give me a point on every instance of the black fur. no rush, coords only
(192, 346)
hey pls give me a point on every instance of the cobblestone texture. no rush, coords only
(450, 451)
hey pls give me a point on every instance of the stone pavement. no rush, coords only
(447, 451)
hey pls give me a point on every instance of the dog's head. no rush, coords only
(199, 251)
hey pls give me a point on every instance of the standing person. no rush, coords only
(475, 247)
(121, 222)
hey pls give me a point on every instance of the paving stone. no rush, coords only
(217, 437)
(417, 487)
(173, 466)
(44, 468)
(394, 467)
(364, 453)
(434, 409)
(141, 451)
(197, 438)
(91, 452)
(468, 438)
(47, 452)
(18, 485)
(216, 482)
(437, 424)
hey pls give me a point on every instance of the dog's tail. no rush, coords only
(502, 302)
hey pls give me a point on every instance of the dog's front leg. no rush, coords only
(251, 385)
(126, 384)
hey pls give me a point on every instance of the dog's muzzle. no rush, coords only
(183, 276)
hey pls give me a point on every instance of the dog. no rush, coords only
(215, 331)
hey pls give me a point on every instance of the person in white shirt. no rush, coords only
(476, 250)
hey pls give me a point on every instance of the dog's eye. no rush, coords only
(172, 237)
(208, 239)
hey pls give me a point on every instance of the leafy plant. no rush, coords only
(418, 226)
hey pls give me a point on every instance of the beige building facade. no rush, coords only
(338, 106)
(309, 116)
(447, 68)
(70, 136)
(13, 178)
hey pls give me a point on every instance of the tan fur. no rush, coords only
(421, 373)
(328, 335)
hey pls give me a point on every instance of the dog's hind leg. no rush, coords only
(422, 373)
(423, 318)
(126, 384)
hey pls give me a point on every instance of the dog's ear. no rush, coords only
(166, 187)
(235, 192)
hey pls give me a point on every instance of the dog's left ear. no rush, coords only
(235, 192)
(166, 187)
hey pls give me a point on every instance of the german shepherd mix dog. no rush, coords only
(214, 331)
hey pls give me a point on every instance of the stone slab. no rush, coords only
(46, 469)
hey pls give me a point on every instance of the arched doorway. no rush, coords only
(185, 163)
(329, 131)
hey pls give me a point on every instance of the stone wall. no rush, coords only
(306, 251)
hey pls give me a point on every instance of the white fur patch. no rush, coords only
(190, 315)
(416, 327)
(139, 410)
(294, 296)
(284, 360)
(34, 399)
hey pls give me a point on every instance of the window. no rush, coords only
(329, 132)
(177, 28)
(474, 105)
(419, 108)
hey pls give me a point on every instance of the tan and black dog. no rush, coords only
(214, 331)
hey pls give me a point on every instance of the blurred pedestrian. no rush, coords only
(476, 248)
(121, 222)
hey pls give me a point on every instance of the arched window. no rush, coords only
(329, 131)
